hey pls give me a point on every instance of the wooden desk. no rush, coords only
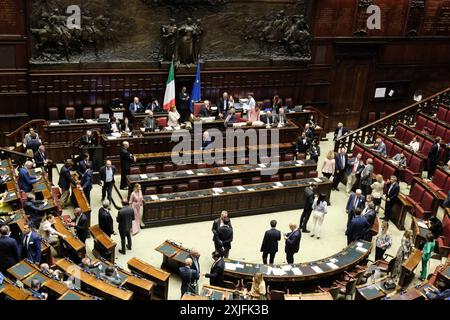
(159, 277)
(420, 232)
(301, 275)
(201, 205)
(408, 268)
(74, 295)
(191, 297)
(174, 255)
(444, 274)
(207, 176)
(11, 292)
(72, 243)
(374, 291)
(142, 288)
(104, 246)
(216, 293)
(309, 296)
(90, 282)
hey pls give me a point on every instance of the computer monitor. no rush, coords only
(103, 116)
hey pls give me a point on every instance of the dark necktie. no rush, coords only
(25, 242)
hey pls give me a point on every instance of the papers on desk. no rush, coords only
(300, 162)
(226, 169)
(200, 173)
(317, 180)
(90, 121)
(154, 197)
(278, 272)
(142, 129)
(359, 244)
(163, 199)
(154, 178)
(361, 249)
(54, 123)
(143, 176)
(332, 265)
(239, 266)
(111, 138)
(240, 188)
(250, 189)
(217, 190)
(422, 224)
(38, 170)
(334, 260)
(235, 171)
(297, 271)
(230, 266)
(317, 269)
(262, 165)
(189, 172)
(286, 268)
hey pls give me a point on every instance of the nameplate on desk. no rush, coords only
(240, 188)
(143, 176)
(189, 172)
(296, 271)
(278, 272)
(90, 121)
(153, 197)
(217, 190)
(154, 178)
(112, 138)
(37, 170)
(286, 268)
(334, 260)
(226, 169)
(230, 266)
(317, 269)
(235, 170)
(332, 265)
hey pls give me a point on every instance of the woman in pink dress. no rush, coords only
(136, 201)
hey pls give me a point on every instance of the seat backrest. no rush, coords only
(446, 228)
(372, 116)
(441, 113)
(447, 117)
(447, 185)
(446, 137)
(357, 149)
(70, 113)
(389, 146)
(439, 131)
(350, 287)
(97, 112)
(396, 149)
(276, 295)
(426, 147)
(430, 127)
(87, 113)
(399, 132)
(408, 156)
(288, 102)
(388, 171)
(415, 164)
(421, 122)
(439, 178)
(53, 113)
(377, 165)
(427, 201)
(197, 108)
(408, 136)
(417, 192)
(162, 122)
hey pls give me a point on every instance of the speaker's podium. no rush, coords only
(103, 245)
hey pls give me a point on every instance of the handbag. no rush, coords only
(389, 284)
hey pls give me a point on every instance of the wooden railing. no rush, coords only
(14, 155)
(18, 135)
(321, 118)
(388, 124)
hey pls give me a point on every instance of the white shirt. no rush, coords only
(47, 229)
(114, 127)
(414, 145)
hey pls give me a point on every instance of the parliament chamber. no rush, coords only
(225, 150)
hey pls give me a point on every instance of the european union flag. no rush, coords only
(196, 94)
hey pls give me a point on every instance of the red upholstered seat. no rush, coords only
(299, 175)
(312, 174)
(236, 182)
(150, 168)
(414, 169)
(256, 180)
(274, 178)
(438, 181)
(301, 156)
(389, 146)
(135, 170)
(430, 127)
(288, 157)
(408, 156)
(441, 113)
(447, 118)
(238, 116)
(218, 184)
(161, 122)
(167, 189)
(426, 147)
(287, 176)
(357, 149)
(388, 171)
(194, 184)
(168, 167)
(443, 242)
(396, 149)
(97, 112)
(377, 165)
(197, 108)
(53, 113)
(439, 131)
(87, 113)
(424, 211)
(182, 166)
(182, 187)
(383, 114)
(446, 138)
(421, 122)
(416, 194)
(201, 165)
(70, 113)
(399, 132)
(150, 190)
(408, 136)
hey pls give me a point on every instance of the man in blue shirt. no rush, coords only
(25, 179)
(136, 106)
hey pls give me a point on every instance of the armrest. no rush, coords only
(349, 275)
(320, 289)
(339, 283)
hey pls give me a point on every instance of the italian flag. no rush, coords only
(169, 96)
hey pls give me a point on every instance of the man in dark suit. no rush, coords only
(83, 163)
(433, 156)
(125, 218)
(391, 195)
(224, 237)
(112, 126)
(65, 180)
(184, 104)
(309, 132)
(356, 200)
(34, 209)
(205, 110)
(215, 227)
(107, 173)
(269, 245)
(292, 244)
(135, 106)
(340, 131)
(189, 277)
(370, 214)
(80, 223)
(309, 200)
(30, 245)
(303, 144)
(126, 160)
(86, 182)
(105, 220)
(217, 269)
(224, 105)
(34, 143)
(9, 250)
(40, 157)
(25, 179)
(357, 227)
(341, 161)
(88, 140)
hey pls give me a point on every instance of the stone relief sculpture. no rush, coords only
(182, 44)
